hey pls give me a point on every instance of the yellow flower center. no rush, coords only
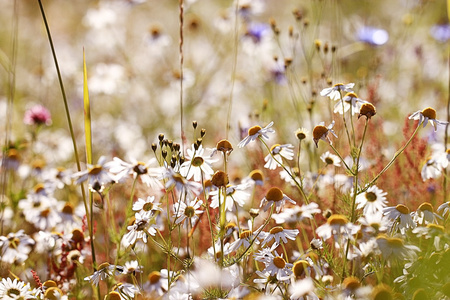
(273, 148)
(245, 234)
(319, 131)
(220, 178)
(103, 266)
(340, 220)
(229, 226)
(257, 175)
(140, 168)
(351, 283)
(402, 209)
(426, 206)
(276, 229)
(53, 293)
(154, 277)
(224, 146)
(329, 160)
(113, 296)
(371, 196)
(279, 262)
(45, 213)
(13, 243)
(368, 110)
(197, 161)
(435, 227)
(147, 206)
(38, 188)
(68, 209)
(49, 283)
(77, 235)
(429, 113)
(178, 178)
(38, 164)
(13, 154)
(395, 242)
(338, 85)
(351, 95)
(95, 170)
(299, 267)
(274, 194)
(254, 130)
(382, 292)
(189, 211)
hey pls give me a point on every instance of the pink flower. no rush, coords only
(37, 115)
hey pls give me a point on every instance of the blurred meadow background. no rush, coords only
(167, 81)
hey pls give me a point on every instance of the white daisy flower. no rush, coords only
(150, 176)
(400, 216)
(427, 115)
(320, 132)
(235, 194)
(246, 238)
(279, 268)
(426, 215)
(278, 153)
(131, 267)
(126, 290)
(15, 289)
(297, 213)
(157, 283)
(334, 92)
(96, 175)
(338, 227)
(278, 233)
(146, 206)
(331, 159)
(181, 184)
(431, 169)
(104, 271)
(372, 224)
(300, 289)
(444, 208)
(350, 100)
(15, 247)
(372, 201)
(277, 197)
(393, 248)
(140, 229)
(255, 132)
(188, 211)
(197, 164)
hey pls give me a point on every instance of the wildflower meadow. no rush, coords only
(225, 149)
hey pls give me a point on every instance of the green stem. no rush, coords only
(287, 171)
(72, 134)
(342, 159)
(396, 155)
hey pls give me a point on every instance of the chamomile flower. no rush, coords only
(126, 290)
(132, 267)
(197, 165)
(188, 211)
(277, 197)
(96, 175)
(372, 201)
(350, 100)
(302, 289)
(146, 206)
(278, 152)
(15, 289)
(104, 271)
(395, 248)
(278, 233)
(427, 115)
(331, 159)
(320, 132)
(339, 227)
(334, 92)
(150, 176)
(444, 208)
(372, 224)
(140, 229)
(431, 169)
(425, 215)
(181, 184)
(15, 247)
(400, 216)
(255, 132)
(234, 194)
(246, 238)
(279, 268)
(297, 213)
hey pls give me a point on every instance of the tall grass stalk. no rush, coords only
(181, 54)
(10, 68)
(233, 70)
